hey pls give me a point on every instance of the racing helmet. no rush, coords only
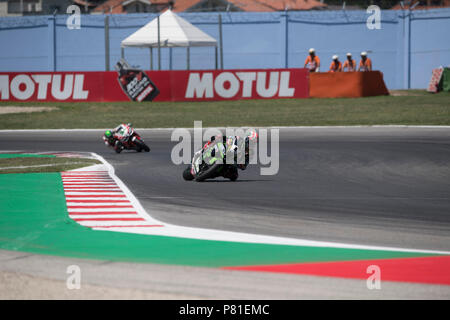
(108, 133)
(252, 135)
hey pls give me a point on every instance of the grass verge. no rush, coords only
(414, 107)
(34, 218)
(42, 164)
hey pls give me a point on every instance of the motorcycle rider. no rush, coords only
(236, 144)
(117, 135)
(108, 138)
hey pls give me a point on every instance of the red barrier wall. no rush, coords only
(205, 85)
(347, 84)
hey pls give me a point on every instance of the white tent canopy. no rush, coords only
(174, 32)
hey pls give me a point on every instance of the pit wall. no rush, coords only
(406, 48)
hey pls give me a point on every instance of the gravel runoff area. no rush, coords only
(19, 286)
(14, 109)
(30, 276)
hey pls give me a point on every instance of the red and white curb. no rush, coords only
(96, 198)
(99, 200)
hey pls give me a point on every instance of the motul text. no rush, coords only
(40, 86)
(227, 85)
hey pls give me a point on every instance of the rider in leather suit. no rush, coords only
(111, 137)
(238, 143)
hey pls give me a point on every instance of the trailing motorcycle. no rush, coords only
(125, 138)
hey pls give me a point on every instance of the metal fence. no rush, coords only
(406, 48)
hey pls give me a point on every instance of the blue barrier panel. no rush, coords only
(406, 48)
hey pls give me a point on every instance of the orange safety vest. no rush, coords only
(350, 65)
(335, 67)
(312, 64)
(365, 66)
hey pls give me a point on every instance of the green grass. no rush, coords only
(34, 218)
(415, 107)
(42, 164)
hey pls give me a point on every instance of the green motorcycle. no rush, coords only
(210, 163)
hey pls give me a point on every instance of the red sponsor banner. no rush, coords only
(61, 86)
(239, 84)
(204, 85)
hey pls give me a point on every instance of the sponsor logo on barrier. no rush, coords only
(268, 84)
(25, 86)
(131, 83)
(135, 83)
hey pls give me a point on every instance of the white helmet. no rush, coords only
(335, 57)
(364, 53)
(312, 50)
(349, 54)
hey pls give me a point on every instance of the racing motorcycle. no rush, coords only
(210, 162)
(126, 139)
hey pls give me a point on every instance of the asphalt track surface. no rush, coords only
(382, 186)
(376, 186)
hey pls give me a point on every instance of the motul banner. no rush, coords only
(240, 84)
(61, 86)
(138, 85)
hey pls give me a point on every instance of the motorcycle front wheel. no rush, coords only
(118, 147)
(208, 173)
(187, 175)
